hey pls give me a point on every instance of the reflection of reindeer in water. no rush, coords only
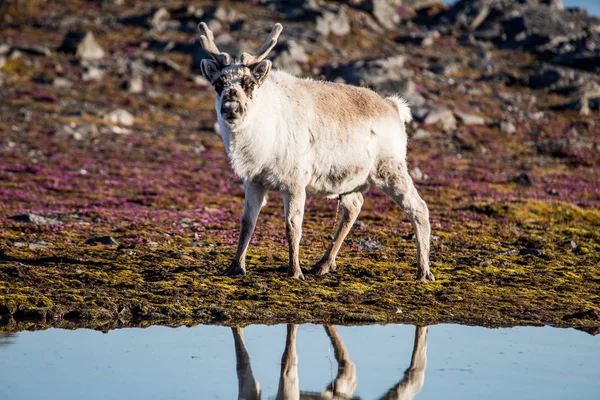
(6, 337)
(344, 384)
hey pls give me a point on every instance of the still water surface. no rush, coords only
(391, 361)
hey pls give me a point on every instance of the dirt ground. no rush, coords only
(514, 215)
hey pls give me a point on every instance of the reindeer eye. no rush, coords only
(248, 84)
(219, 86)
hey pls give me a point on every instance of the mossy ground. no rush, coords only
(166, 193)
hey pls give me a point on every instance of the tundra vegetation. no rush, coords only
(118, 205)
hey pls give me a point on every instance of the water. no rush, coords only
(200, 362)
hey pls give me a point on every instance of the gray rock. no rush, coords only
(333, 21)
(586, 99)
(135, 84)
(469, 119)
(92, 73)
(417, 174)
(445, 68)
(290, 57)
(34, 49)
(158, 20)
(104, 240)
(374, 72)
(62, 83)
(83, 45)
(40, 245)
(120, 117)
(435, 115)
(383, 11)
(35, 219)
(370, 245)
(559, 35)
(530, 251)
(421, 134)
(507, 127)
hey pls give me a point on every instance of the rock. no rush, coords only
(522, 179)
(370, 245)
(507, 127)
(104, 240)
(135, 84)
(586, 99)
(333, 21)
(290, 57)
(40, 245)
(420, 38)
(417, 174)
(34, 49)
(421, 134)
(435, 115)
(558, 35)
(381, 10)
(372, 72)
(120, 117)
(469, 119)
(62, 83)
(35, 219)
(83, 45)
(158, 20)
(530, 252)
(444, 68)
(92, 74)
(593, 315)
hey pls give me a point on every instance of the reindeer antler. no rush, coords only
(208, 44)
(248, 59)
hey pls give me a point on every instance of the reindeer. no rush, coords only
(345, 382)
(303, 137)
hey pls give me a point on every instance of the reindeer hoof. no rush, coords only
(425, 276)
(322, 267)
(234, 270)
(296, 275)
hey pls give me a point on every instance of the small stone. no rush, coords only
(62, 83)
(530, 252)
(507, 127)
(35, 49)
(104, 240)
(370, 245)
(522, 179)
(135, 84)
(40, 245)
(92, 74)
(469, 119)
(83, 45)
(441, 116)
(417, 174)
(35, 219)
(421, 134)
(19, 244)
(120, 117)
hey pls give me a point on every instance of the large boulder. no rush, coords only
(545, 27)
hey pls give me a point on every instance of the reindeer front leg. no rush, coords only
(294, 214)
(254, 200)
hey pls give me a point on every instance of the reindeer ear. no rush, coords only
(209, 69)
(260, 70)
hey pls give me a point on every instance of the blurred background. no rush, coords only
(107, 137)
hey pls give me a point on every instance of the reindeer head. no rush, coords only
(235, 81)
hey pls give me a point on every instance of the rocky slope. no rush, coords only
(118, 206)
